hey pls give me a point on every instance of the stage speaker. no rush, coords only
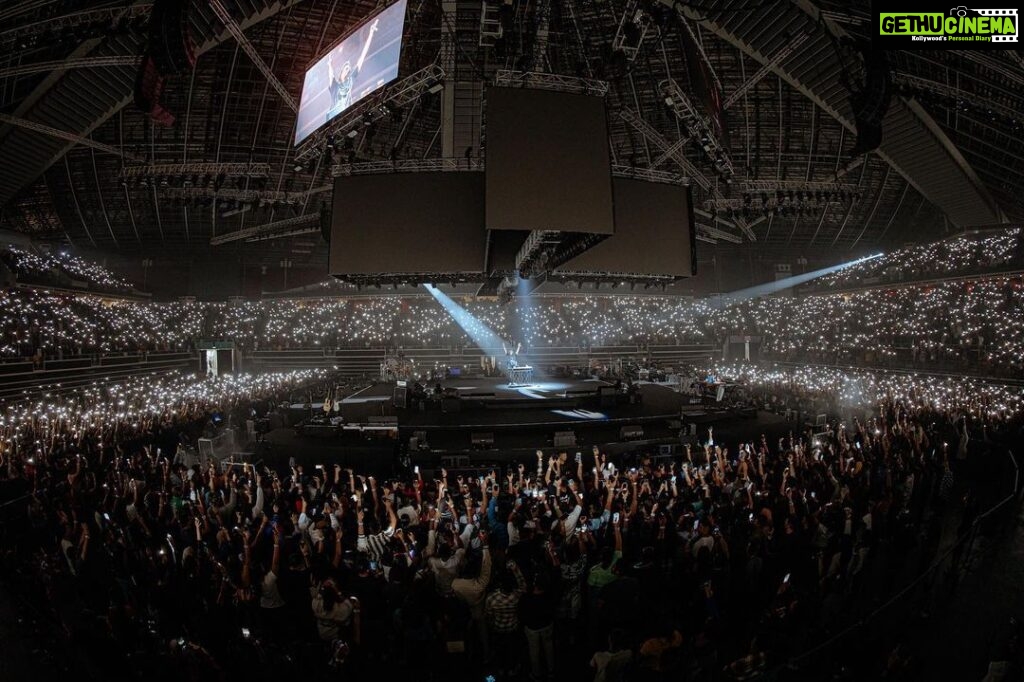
(482, 441)
(400, 398)
(631, 433)
(451, 462)
(170, 36)
(565, 439)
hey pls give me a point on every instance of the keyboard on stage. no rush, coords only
(520, 374)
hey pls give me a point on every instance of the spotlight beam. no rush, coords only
(482, 335)
(772, 287)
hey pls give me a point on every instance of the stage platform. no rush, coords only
(495, 390)
(513, 444)
(473, 414)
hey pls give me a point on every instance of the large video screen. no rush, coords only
(408, 223)
(361, 63)
(654, 233)
(548, 164)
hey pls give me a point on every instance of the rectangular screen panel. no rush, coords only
(548, 166)
(655, 233)
(408, 223)
(361, 63)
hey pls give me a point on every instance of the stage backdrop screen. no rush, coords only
(408, 223)
(655, 233)
(548, 166)
(361, 63)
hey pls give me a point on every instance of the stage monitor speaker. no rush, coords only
(482, 440)
(631, 433)
(455, 462)
(400, 398)
(565, 439)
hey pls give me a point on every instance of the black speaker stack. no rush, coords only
(169, 51)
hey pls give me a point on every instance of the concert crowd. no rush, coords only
(975, 326)
(143, 558)
(720, 562)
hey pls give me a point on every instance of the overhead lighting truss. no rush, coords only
(716, 234)
(227, 170)
(105, 18)
(751, 186)
(786, 197)
(407, 166)
(969, 99)
(394, 279)
(536, 252)
(551, 81)
(616, 279)
(633, 29)
(675, 153)
(648, 175)
(491, 29)
(262, 197)
(274, 230)
(397, 95)
(697, 127)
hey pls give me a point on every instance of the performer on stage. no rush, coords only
(512, 361)
(342, 81)
(511, 354)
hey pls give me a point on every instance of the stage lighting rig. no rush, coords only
(697, 127)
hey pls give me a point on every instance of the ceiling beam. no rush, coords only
(64, 135)
(765, 69)
(232, 26)
(67, 64)
(47, 96)
(914, 145)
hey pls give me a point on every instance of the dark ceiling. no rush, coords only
(787, 126)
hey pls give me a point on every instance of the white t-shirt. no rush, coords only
(270, 595)
(608, 665)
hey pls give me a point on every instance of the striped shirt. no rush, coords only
(375, 546)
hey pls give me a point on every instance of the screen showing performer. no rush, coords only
(357, 66)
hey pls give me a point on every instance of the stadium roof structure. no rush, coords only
(81, 164)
